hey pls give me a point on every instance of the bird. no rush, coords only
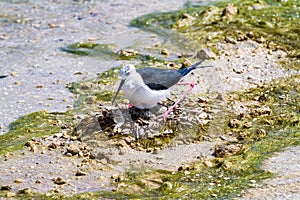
(145, 87)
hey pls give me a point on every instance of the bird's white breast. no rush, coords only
(139, 94)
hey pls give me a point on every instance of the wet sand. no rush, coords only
(38, 71)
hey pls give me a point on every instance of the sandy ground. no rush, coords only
(32, 34)
(286, 184)
(38, 73)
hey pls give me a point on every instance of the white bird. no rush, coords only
(145, 87)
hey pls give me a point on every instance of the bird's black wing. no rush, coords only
(159, 79)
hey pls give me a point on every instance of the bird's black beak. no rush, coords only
(119, 88)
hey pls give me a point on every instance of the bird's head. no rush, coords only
(126, 70)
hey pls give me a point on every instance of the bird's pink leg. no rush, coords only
(180, 100)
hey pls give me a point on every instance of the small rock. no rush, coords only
(52, 25)
(117, 178)
(73, 149)
(187, 172)
(3, 37)
(166, 186)
(14, 73)
(39, 86)
(205, 53)
(68, 154)
(52, 145)
(80, 154)
(114, 176)
(229, 11)
(10, 194)
(186, 16)
(238, 70)
(122, 151)
(59, 181)
(24, 191)
(78, 73)
(233, 123)
(230, 40)
(247, 125)
(164, 52)
(261, 132)
(19, 180)
(80, 173)
(227, 165)
(252, 181)
(34, 149)
(223, 137)
(128, 52)
(5, 187)
(185, 167)
(208, 163)
(227, 150)
(202, 100)
(214, 195)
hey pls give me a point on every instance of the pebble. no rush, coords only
(214, 195)
(164, 52)
(227, 150)
(223, 137)
(59, 181)
(233, 123)
(68, 154)
(252, 181)
(229, 11)
(52, 145)
(73, 149)
(39, 86)
(5, 187)
(52, 25)
(208, 163)
(19, 180)
(227, 165)
(14, 73)
(11, 194)
(80, 173)
(205, 53)
(261, 132)
(24, 191)
(167, 186)
(187, 172)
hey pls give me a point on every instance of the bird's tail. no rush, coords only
(185, 71)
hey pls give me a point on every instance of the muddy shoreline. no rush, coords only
(65, 164)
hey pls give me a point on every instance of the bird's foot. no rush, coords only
(137, 113)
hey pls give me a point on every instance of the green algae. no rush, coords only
(35, 124)
(108, 52)
(273, 23)
(230, 175)
(91, 48)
